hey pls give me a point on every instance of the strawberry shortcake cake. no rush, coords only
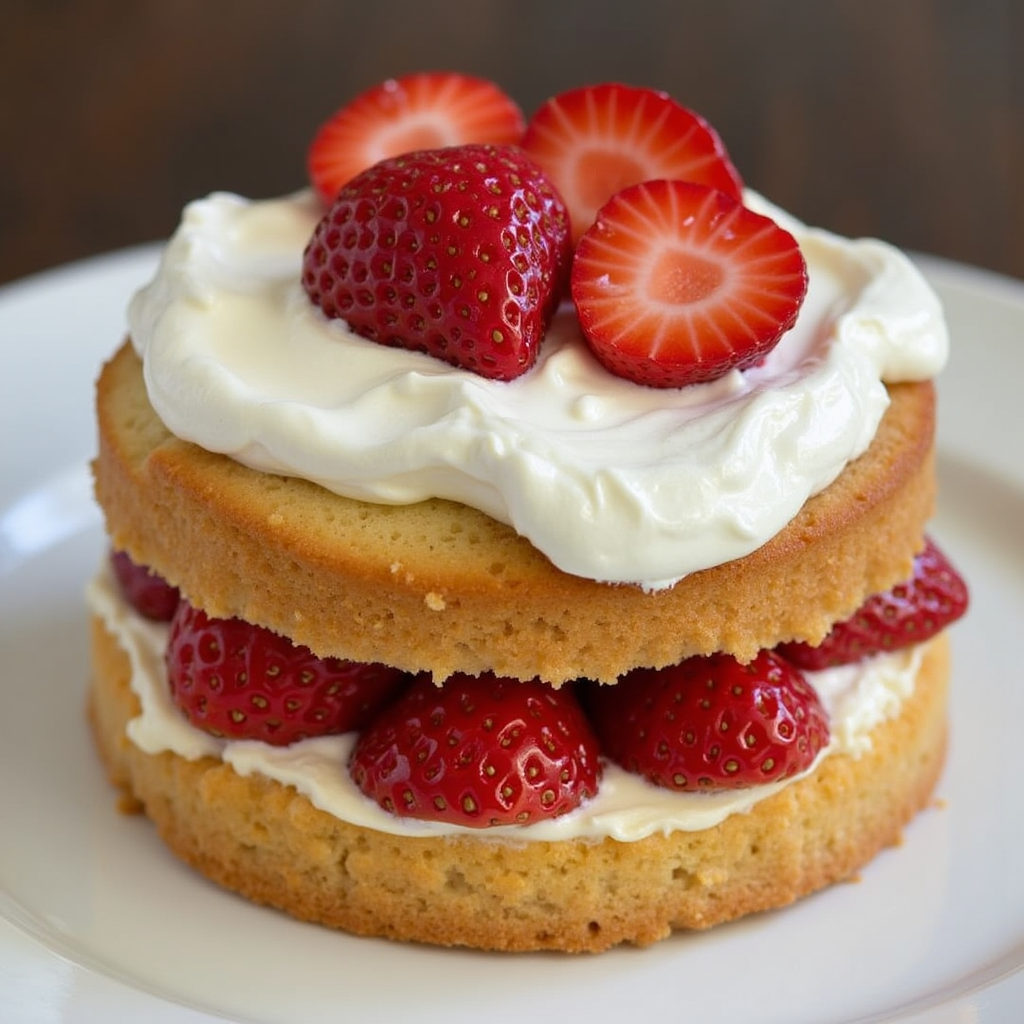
(518, 537)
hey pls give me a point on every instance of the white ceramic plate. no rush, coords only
(98, 922)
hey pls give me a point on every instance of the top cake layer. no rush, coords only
(612, 481)
(442, 587)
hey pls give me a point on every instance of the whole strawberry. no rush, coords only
(711, 722)
(243, 682)
(146, 591)
(911, 612)
(478, 751)
(459, 252)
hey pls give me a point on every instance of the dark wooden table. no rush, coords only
(897, 118)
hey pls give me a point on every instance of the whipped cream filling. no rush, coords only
(626, 807)
(611, 480)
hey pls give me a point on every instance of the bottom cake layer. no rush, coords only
(270, 844)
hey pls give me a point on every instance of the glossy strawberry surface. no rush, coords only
(711, 722)
(461, 253)
(238, 681)
(479, 751)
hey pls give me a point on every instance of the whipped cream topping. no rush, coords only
(626, 807)
(611, 480)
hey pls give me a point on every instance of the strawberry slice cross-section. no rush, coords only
(599, 139)
(678, 283)
(426, 110)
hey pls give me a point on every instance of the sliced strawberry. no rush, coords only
(677, 283)
(914, 611)
(146, 591)
(242, 682)
(419, 111)
(711, 723)
(597, 140)
(478, 751)
(460, 252)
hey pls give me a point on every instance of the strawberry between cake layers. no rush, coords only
(379, 505)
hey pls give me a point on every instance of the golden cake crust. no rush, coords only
(442, 587)
(270, 844)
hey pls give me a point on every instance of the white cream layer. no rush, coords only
(626, 808)
(612, 481)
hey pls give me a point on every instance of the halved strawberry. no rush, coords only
(427, 110)
(599, 139)
(243, 682)
(478, 751)
(678, 283)
(711, 722)
(146, 591)
(910, 613)
(459, 252)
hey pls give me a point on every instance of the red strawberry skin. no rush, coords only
(238, 681)
(711, 723)
(678, 284)
(933, 598)
(461, 253)
(426, 110)
(479, 752)
(146, 591)
(599, 139)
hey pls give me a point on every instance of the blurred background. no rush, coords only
(897, 118)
